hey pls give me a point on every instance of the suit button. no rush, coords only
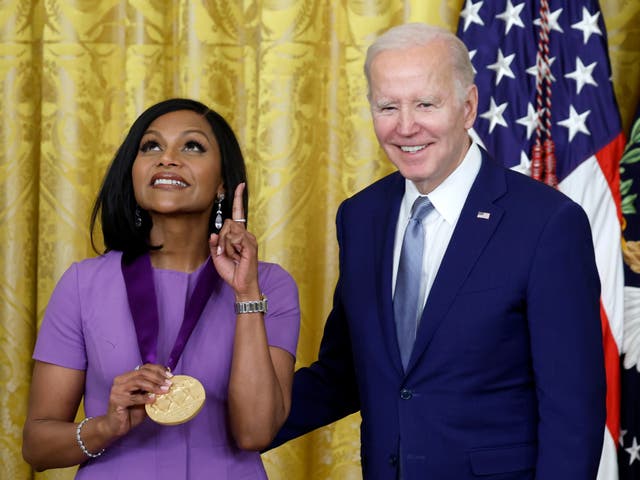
(405, 394)
(393, 460)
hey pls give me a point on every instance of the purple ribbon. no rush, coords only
(141, 293)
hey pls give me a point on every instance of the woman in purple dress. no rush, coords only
(178, 291)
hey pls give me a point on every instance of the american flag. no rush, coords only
(543, 74)
(629, 447)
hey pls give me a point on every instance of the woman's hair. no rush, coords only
(116, 202)
(419, 34)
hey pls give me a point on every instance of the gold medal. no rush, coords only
(180, 404)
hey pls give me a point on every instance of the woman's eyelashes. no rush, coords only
(149, 145)
(189, 146)
(193, 146)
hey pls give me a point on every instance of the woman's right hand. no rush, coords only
(50, 430)
(130, 392)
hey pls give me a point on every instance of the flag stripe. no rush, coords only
(609, 161)
(629, 451)
(608, 469)
(612, 369)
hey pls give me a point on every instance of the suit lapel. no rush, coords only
(384, 237)
(478, 220)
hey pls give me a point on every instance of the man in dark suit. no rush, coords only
(468, 334)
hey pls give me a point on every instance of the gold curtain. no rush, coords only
(286, 74)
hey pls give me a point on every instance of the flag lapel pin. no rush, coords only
(484, 215)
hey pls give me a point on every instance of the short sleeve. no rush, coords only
(282, 321)
(60, 339)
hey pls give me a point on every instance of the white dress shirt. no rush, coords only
(448, 198)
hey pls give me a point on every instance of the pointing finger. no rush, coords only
(237, 212)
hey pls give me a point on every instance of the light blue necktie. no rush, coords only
(405, 299)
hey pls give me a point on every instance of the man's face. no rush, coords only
(419, 120)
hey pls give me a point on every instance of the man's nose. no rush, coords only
(407, 122)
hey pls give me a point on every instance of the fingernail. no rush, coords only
(151, 395)
(168, 374)
(165, 388)
(219, 250)
(168, 382)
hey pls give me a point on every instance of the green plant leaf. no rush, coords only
(632, 156)
(627, 205)
(634, 136)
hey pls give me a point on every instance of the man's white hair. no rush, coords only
(410, 35)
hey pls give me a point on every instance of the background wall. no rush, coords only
(286, 74)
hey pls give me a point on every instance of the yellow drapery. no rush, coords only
(286, 74)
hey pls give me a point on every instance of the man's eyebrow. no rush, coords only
(383, 102)
(428, 99)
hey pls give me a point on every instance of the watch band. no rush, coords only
(254, 306)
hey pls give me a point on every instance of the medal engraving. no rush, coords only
(180, 404)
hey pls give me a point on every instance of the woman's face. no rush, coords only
(178, 169)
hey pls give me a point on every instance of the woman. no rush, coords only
(161, 301)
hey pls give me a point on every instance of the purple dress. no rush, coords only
(88, 326)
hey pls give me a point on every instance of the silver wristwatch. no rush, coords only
(254, 306)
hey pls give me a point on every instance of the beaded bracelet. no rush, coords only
(81, 443)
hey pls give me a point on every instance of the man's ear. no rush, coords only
(470, 106)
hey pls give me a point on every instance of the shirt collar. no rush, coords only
(449, 197)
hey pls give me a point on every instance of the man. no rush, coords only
(501, 374)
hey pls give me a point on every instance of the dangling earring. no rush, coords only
(138, 217)
(218, 221)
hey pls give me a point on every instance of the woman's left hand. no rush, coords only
(234, 251)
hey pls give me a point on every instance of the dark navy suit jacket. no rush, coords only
(506, 379)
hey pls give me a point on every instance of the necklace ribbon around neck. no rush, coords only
(141, 294)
